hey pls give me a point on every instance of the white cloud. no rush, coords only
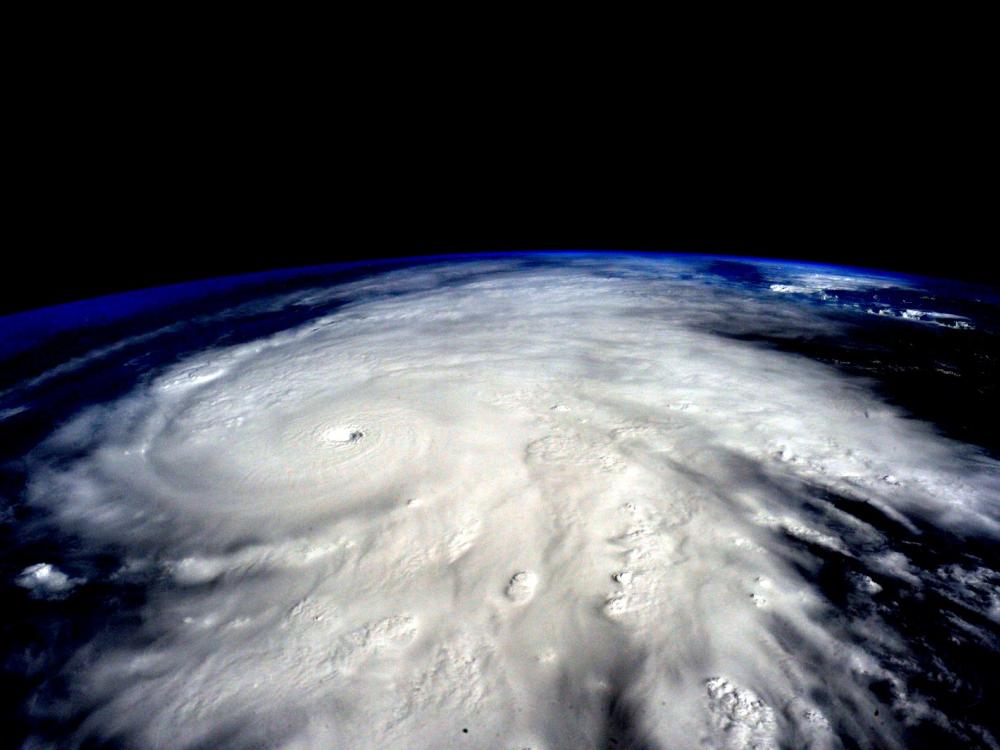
(46, 581)
(473, 504)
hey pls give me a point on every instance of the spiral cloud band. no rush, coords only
(492, 505)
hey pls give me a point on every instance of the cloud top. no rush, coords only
(548, 506)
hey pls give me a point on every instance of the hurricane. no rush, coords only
(550, 501)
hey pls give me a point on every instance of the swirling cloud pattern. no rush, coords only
(498, 505)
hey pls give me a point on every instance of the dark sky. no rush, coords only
(111, 211)
(137, 164)
(93, 249)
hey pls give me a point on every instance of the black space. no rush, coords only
(87, 246)
(140, 179)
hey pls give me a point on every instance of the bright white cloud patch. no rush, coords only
(45, 580)
(544, 507)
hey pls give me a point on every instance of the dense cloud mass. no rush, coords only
(492, 505)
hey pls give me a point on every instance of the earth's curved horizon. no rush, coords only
(528, 500)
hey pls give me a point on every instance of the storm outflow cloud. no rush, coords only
(498, 506)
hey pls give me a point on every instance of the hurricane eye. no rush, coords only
(342, 434)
